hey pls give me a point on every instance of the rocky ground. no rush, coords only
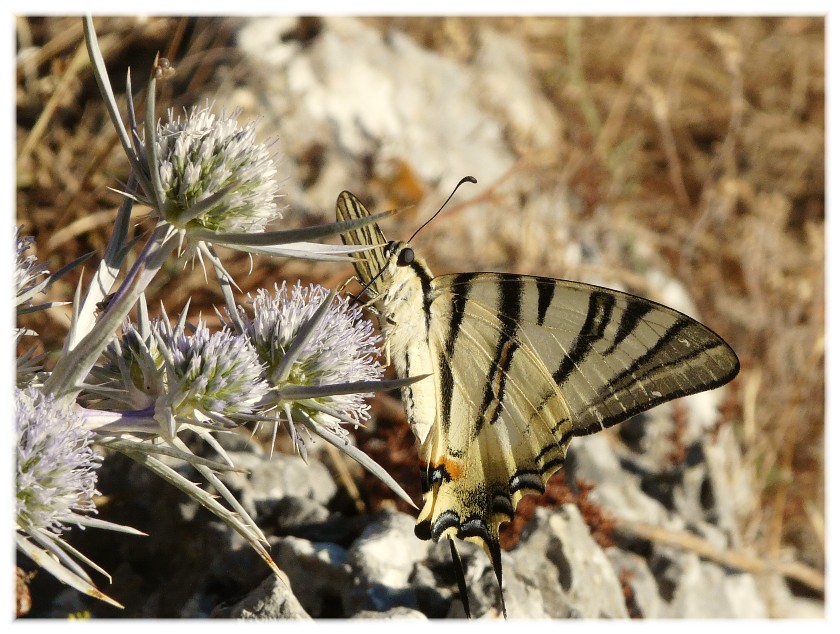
(570, 562)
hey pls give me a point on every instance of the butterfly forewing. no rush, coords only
(610, 354)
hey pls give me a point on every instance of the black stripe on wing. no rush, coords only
(447, 381)
(631, 317)
(685, 359)
(597, 319)
(507, 343)
(698, 377)
(545, 295)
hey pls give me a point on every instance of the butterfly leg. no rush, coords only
(345, 284)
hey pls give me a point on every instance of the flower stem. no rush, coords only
(73, 367)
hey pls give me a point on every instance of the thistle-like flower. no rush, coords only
(211, 380)
(55, 478)
(27, 285)
(213, 174)
(159, 380)
(218, 376)
(27, 270)
(342, 349)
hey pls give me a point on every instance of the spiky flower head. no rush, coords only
(185, 377)
(55, 478)
(203, 155)
(27, 270)
(27, 285)
(216, 374)
(342, 349)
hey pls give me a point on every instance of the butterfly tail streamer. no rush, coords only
(496, 559)
(458, 565)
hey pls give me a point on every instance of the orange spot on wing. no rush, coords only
(454, 468)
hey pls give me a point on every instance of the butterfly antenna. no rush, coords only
(459, 575)
(466, 179)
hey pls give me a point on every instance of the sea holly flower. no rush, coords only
(159, 380)
(216, 376)
(198, 378)
(215, 184)
(342, 349)
(56, 466)
(213, 173)
(55, 484)
(27, 285)
(27, 271)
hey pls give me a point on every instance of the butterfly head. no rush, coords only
(399, 254)
(402, 265)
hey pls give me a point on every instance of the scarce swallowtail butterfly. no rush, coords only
(517, 366)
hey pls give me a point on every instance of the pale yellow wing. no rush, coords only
(525, 363)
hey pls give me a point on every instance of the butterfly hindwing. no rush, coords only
(496, 436)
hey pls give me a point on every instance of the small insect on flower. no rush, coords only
(55, 477)
(340, 350)
(213, 173)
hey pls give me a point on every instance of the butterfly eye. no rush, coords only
(405, 257)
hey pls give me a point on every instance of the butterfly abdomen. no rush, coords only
(404, 319)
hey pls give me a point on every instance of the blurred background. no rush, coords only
(681, 159)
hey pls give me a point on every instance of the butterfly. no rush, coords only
(516, 366)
